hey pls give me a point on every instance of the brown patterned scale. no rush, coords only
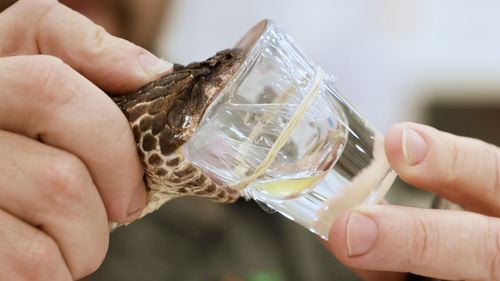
(163, 116)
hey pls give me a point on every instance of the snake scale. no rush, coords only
(163, 116)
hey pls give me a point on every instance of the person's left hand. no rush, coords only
(445, 244)
(68, 159)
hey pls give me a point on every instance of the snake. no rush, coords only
(163, 116)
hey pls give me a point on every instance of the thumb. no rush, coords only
(443, 244)
(48, 27)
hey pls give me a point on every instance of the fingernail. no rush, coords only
(414, 146)
(362, 234)
(153, 65)
(137, 201)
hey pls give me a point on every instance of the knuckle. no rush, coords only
(39, 3)
(40, 7)
(64, 179)
(40, 258)
(422, 247)
(96, 41)
(48, 75)
(42, 69)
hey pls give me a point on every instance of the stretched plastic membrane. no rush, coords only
(281, 134)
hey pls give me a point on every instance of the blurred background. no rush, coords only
(435, 62)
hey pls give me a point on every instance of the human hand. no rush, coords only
(68, 158)
(454, 245)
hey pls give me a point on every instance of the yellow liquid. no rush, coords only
(286, 188)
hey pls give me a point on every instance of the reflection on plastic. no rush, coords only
(288, 138)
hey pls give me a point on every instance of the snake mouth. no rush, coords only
(245, 52)
(253, 35)
(252, 120)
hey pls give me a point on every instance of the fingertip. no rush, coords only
(406, 146)
(124, 210)
(125, 71)
(153, 66)
(356, 234)
(393, 145)
(337, 235)
(133, 68)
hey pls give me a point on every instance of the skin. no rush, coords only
(69, 163)
(138, 21)
(69, 160)
(451, 245)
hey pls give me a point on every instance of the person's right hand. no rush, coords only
(445, 244)
(68, 160)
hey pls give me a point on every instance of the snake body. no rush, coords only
(163, 116)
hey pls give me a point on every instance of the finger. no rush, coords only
(63, 109)
(460, 169)
(451, 245)
(48, 27)
(52, 190)
(28, 254)
(372, 275)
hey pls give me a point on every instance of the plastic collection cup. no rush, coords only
(281, 134)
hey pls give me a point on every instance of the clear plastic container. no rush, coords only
(281, 134)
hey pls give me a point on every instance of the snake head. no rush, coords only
(164, 115)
